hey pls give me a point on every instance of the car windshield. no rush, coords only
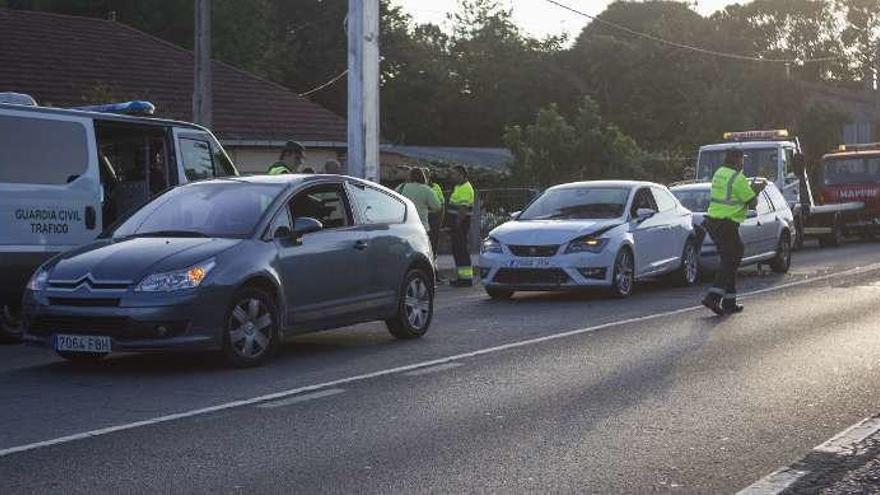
(758, 163)
(212, 209)
(696, 200)
(837, 171)
(578, 203)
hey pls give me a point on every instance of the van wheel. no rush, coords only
(82, 358)
(688, 273)
(782, 262)
(415, 307)
(623, 275)
(251, 333)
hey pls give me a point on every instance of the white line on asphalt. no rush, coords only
(301, 398)
(433, 369)
(844, 442)
(399, 369)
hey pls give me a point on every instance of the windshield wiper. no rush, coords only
(171, 233)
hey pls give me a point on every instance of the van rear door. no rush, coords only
(50, 191)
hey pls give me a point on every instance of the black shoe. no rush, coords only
(732, 308)
(713, 303)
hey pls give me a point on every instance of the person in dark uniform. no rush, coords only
(732, 195)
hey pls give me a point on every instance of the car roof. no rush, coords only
(606, 183)
(283, 179)
(101, 116)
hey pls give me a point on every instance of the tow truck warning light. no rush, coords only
(769, 134)
(859, 147)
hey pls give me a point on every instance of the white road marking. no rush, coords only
(774, 483)
(296, 399)
(432, 369)
(399, 369)
(843, 443)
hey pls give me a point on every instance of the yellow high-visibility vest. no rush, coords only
(730, 196)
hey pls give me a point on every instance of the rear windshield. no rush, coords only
(696, 200)
(578, 203)
(838, 171)
(212, 209)
(41, 151)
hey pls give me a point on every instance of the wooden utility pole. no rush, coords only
(201, 100)
(363, 89)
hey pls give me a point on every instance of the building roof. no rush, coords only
(73, 61)
(491, 158)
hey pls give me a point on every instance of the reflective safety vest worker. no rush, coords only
(462, 196)
(279, 168)
(730, 196)
(438, 191)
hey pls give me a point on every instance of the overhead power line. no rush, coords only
(675, 44)
(327, 84)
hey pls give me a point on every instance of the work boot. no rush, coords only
(713, 302)
(731, 307)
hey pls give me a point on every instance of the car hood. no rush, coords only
(130, 260)
(547, 232)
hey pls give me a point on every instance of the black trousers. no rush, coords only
(460, 232)
(725, 234)
(435, 222)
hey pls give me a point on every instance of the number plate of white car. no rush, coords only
(530, 263)
(83, 343)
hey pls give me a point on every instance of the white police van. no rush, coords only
(66, 174)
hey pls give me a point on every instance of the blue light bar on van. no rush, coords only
(135, 107)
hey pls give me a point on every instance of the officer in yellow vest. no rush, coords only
(292, 156)
(732, 195)
(460, 212)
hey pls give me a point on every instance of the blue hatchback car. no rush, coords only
(237, 265)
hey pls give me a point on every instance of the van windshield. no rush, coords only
(856, 170)
(578, 203)
(211, 209)
(759, 162)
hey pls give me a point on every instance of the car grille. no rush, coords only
(120, 328)
(536, 276)
(536, 251)
(89, 302)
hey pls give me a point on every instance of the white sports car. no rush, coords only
(591, 234)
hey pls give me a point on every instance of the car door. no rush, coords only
(673, 232)
(647, 234)
(325, 272)
(382, 216)
(767, 225)
(750, 230)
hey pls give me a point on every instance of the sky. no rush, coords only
(537, 17)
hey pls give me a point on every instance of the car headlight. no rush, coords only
(39, 280)
(490, 245)
(188, 278)
(586, 244)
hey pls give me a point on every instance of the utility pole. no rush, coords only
(201, 99)
(363, 89)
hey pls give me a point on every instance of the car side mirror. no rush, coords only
(515, 215)
(645, 213)
(306, 225)
(282, 232)
(752, 214)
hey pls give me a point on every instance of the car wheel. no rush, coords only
(84, 358)
(251, 332)
(10, 326)
(782, 262)
(689, 272)
(499, 294)
(623, 276)
(415, 307)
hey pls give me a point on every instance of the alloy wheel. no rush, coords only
(417, 303)
(250, 328)
(691, 264)
(623, 269)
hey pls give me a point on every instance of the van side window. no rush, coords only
(27, 158)
(197, 161)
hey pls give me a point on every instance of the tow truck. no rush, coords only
(776, 156)
(850, 176)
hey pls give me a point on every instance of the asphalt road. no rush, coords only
(548, 392)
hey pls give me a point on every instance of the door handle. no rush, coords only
(91, 217)
(361, 245)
